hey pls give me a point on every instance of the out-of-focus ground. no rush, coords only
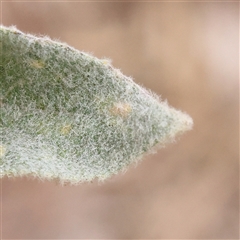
(189, 54)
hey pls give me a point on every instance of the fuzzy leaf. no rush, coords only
(70, 116)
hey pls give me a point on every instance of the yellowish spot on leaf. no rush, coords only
(121, 109)
(37, 64)
(66, 129)
(2, 150)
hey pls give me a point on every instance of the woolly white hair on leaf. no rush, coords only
(69, 116)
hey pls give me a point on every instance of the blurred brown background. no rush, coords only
(187, 52)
